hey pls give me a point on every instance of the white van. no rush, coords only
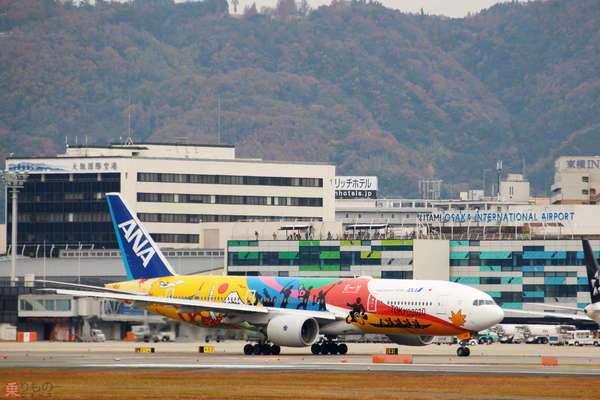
(584, 337)
(97, 335)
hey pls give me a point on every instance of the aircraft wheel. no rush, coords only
(315, 348)
(248, 349)
(275, 350)
(463, 352)
(342, 348)
(331, 348)
(257, 349)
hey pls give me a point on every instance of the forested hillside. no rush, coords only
(374, 91)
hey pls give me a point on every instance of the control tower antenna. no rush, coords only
(129, 138)
(499, 172)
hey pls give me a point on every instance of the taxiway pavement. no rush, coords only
(495, 359)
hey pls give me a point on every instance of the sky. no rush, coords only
(449, 8)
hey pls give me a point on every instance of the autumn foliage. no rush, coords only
(370, 89)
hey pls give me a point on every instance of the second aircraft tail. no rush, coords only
(593, 271)
(141, 256)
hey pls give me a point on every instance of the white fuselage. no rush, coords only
(593, 311)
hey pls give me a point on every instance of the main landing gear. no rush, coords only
(261, 348)
(329, 347)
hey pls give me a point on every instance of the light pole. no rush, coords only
(14, 180)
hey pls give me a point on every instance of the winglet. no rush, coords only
(141, 256)
(593, 271)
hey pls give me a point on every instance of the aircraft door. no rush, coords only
(442, 305)
(371, 304)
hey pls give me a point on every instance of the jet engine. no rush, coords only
(411, 340)
(292, 330)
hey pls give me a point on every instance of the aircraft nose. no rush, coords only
(493, 315)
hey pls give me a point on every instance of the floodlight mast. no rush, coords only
(14, 180)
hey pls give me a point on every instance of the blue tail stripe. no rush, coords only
(123, 256)
(141, 256)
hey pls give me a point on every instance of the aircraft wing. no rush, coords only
(576, 309)
(84, 287)
(190, 305)
(526, 313)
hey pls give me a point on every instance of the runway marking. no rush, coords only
(425, 368)
(215, 366)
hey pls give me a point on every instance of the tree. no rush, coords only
(304, 8)
(286, 9)
(250, 11)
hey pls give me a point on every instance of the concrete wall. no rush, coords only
(431, 259)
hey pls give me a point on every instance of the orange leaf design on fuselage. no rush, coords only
(458, 318)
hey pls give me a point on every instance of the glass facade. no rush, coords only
(528, 274)
(315, 256)
(229, 179)
(197, 218)
(230, 199)
(65, 209)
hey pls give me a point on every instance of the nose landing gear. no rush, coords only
(463, 351)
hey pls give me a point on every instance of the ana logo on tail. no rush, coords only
(132, 232)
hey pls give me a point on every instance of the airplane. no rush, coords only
(291, 311)
(592, 310)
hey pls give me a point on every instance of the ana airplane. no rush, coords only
(288, 311)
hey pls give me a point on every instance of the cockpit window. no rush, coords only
(480, 302)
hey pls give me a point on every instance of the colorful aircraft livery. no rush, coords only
(364, 303)
(292, 311)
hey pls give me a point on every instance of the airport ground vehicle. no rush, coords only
(93, 335)
(97, 335)
(562, 335)
(144, 333)
(584, 338)
(538, 333)
(487, 338)
(510, 333)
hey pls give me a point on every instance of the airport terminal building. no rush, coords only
(208, 209)
(173, 187)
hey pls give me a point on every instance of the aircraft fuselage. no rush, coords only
(384, 306)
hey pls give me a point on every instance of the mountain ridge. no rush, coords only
(375, 91)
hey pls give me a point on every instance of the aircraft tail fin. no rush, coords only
(593, 271)
(141, 256)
